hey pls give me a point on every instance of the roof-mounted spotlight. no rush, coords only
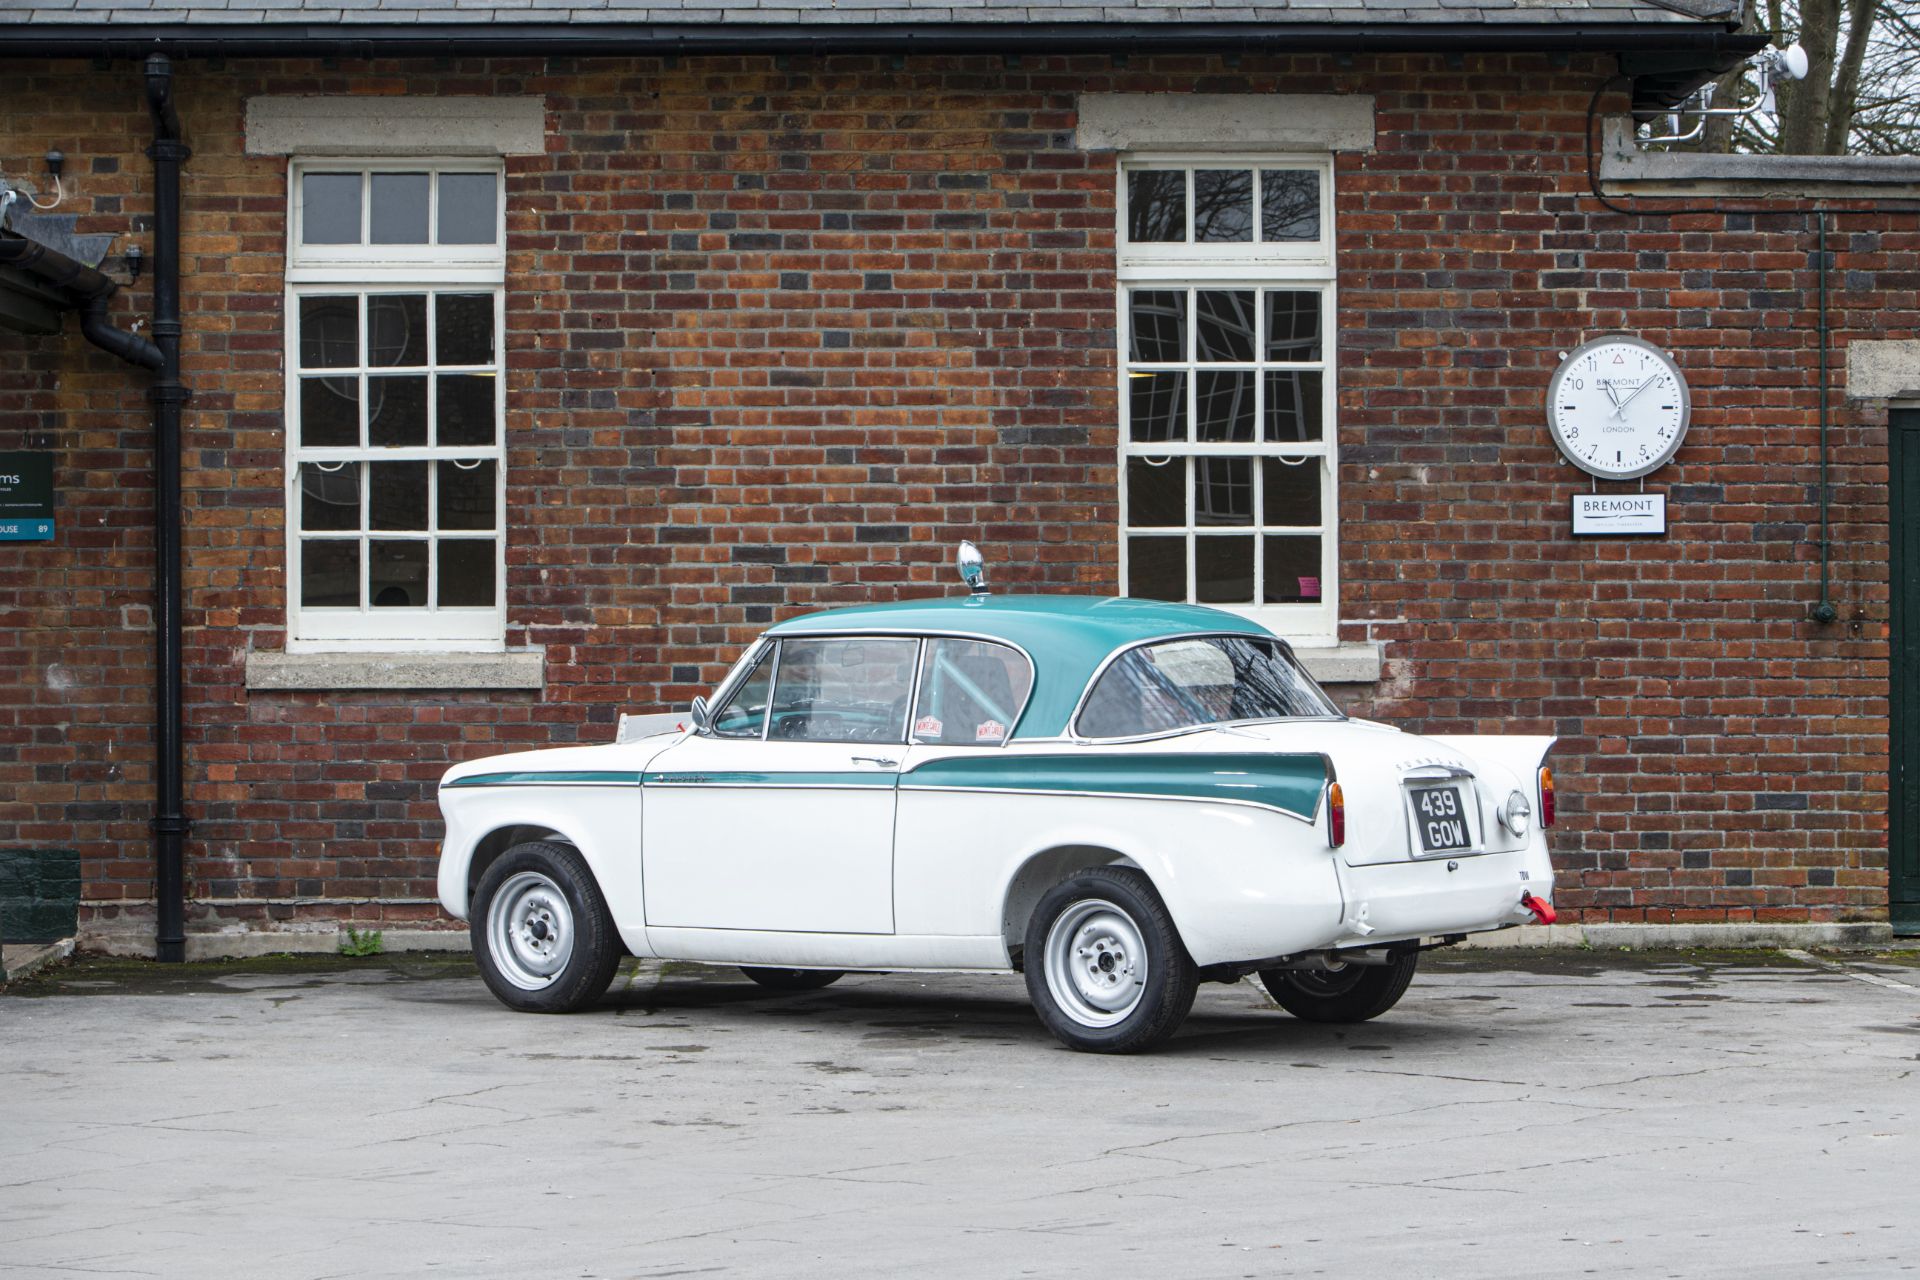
(973, 568)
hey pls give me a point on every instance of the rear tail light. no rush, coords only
(1336, 815)
(1546, 796)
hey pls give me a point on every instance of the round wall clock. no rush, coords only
(1618, 407)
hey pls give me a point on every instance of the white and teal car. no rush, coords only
(1120, 798)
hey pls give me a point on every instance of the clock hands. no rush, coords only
(1620, 409)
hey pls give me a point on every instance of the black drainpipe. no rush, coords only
(167, 394)
(1824, 611)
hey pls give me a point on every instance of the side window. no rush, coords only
(971, 692)
(746, 711)
(843, 690)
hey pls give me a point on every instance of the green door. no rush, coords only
(1903, 800)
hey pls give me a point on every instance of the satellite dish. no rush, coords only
(1793, 61)
(973, 568)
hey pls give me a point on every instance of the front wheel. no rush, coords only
(542, 934)
(1351, 993)
(1105, 966)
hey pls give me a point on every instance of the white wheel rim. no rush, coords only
(1096, 963)
(530, 930)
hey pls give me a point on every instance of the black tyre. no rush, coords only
(1105, 967)
(793, 979)
(1351, 993)
(542, 934)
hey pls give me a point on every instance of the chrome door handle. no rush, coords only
(879, 760)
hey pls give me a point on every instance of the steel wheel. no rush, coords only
(1350, 993)
(530, 929)
(1326, 982)
(1096, 963)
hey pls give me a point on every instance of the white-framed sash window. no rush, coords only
(1227, 440)
(395, 406)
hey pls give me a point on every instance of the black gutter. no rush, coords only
(1708, 40)
(170, 823)
(84, 288)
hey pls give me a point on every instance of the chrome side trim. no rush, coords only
(1109, 795)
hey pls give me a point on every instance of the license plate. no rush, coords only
(1440, 816)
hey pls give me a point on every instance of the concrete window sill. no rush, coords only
(515, 669)
(1355, 662)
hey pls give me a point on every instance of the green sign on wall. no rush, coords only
(26, 497)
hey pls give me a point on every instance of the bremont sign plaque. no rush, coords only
(1601, 515)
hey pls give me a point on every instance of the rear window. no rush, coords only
(1190, 683)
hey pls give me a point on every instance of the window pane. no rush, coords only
(330, 573)
(971, 693)
(465, 408)
(397, 410)
(1223, 569)
(399, 493)
(463, 328)
(1157, 205)
(1293, 570)
(329, 331)
(330, 499)
(398, 574)
(1289, 204)
(1223, 324)
(1225, 406)
(1292, 491)
(330, 208)
(1293, 405)
(329, 411)
(746, 711)
(1158, 321)
(1222, 205)
(1293, 325)
(1157, 568)
(466, 495)
(1156, 407)
(469, 208)
(466, 572)
(399, 209)
(1178, 684)
(1223, 493)
(397, 329)
(843, 690)
(1156, 492)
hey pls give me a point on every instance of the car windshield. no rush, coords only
(1186, 684)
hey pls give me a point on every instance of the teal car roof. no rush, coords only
(1068, 636)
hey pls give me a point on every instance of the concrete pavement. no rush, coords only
(1520, 1114)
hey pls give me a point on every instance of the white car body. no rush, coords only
(911, 855)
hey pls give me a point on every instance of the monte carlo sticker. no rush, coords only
(26, 497)
(1618, 514)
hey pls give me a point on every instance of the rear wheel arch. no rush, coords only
(1040, 872)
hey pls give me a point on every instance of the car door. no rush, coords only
(780, 816)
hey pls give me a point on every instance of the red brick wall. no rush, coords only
(780, 333)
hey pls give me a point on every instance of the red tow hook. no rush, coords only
(1542, 910)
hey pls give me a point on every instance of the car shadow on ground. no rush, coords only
(904, 1007)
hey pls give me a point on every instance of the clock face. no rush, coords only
(1618, 407)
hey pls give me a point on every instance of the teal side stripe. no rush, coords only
(1288, 782)
(740, 778)
(534, 779)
